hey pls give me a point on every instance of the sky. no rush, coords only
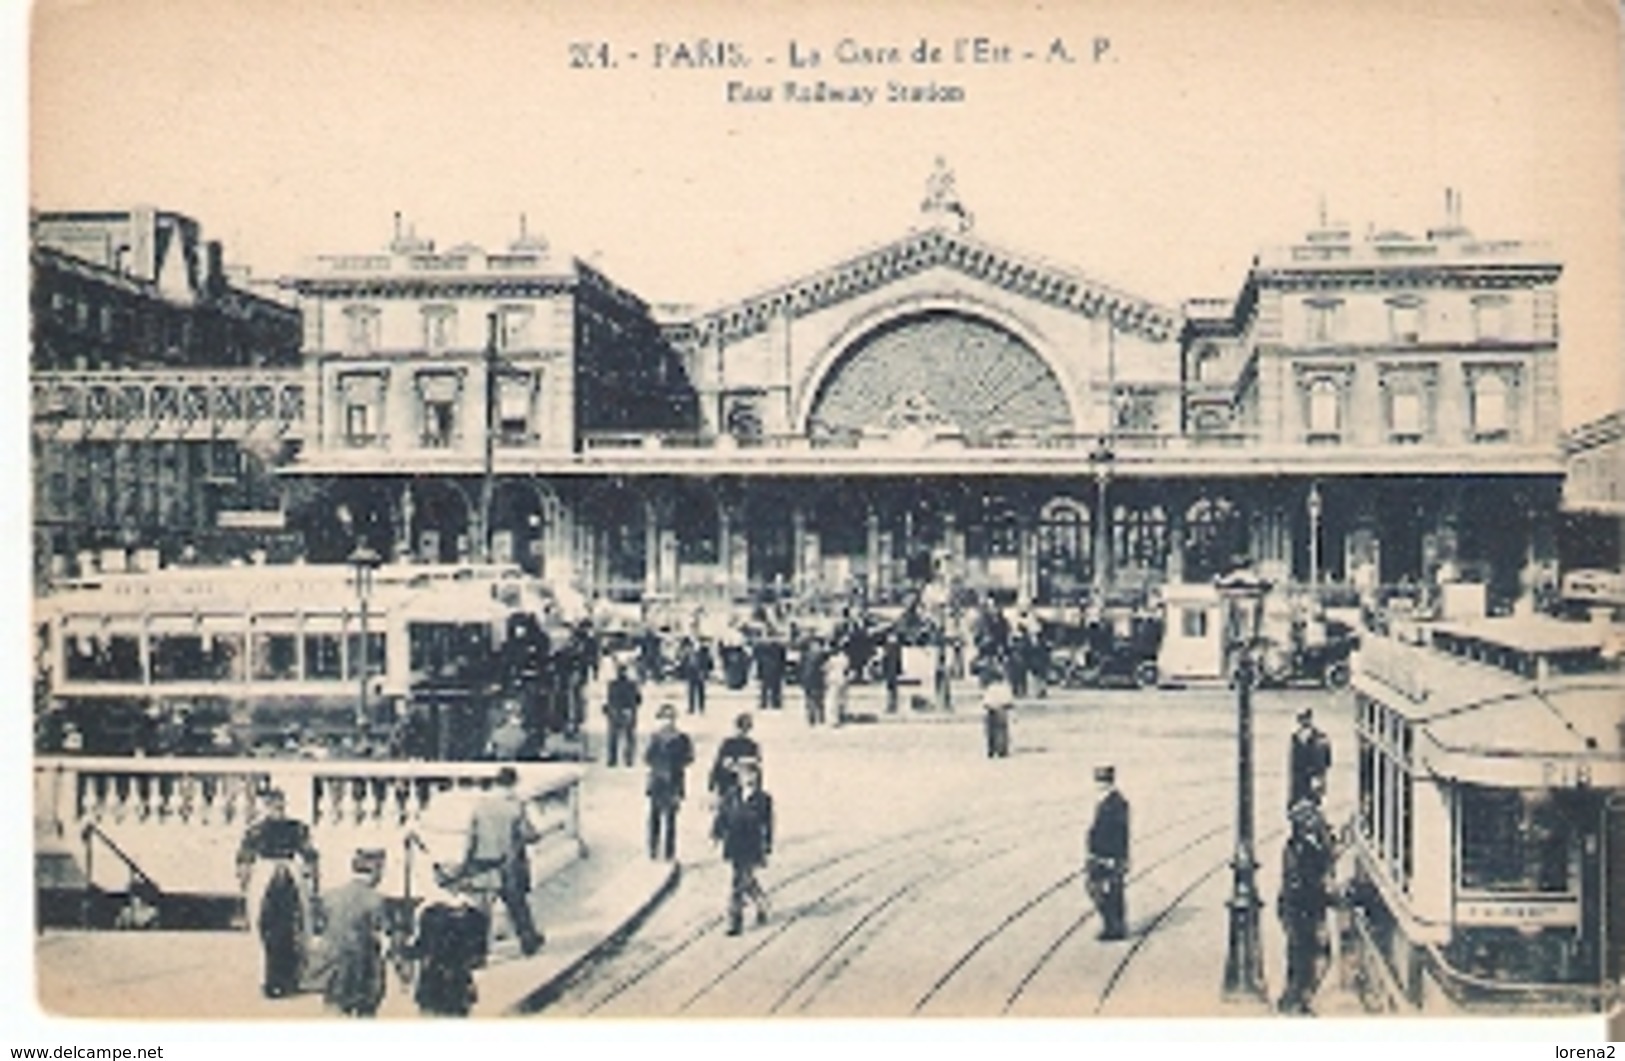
(1203, 131)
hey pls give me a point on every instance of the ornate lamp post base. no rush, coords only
(1244, 958)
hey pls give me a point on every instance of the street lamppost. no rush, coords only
(365, 562)
(1314, 505)
(482, 548)
(1243, 593)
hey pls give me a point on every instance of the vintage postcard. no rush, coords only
(1082, 510)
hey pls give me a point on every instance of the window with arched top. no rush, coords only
(1490, 419)
(1325, 407)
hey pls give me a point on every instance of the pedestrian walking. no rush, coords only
(1309, 761)
(1306, 868)
(668, 757)
(744, 826)
(891, 668)
(997, 700)
(621, 702)
(497, 860)
(1106, 856)
(277, 870)
(695, 664)
(770, 652)
(353, 939)
(738, 748)
(812, 680)
(1016, 660)
(452, 939)
(838, 682)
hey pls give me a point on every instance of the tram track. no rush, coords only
(905, 851)
(914, 838)
(1142, 939)
(841, 948)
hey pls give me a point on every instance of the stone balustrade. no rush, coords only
(180, 820)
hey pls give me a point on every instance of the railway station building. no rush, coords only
(1366, 411)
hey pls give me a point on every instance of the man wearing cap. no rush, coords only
(668, 756)
(1310, 759)
(355, 922)
(745, 826)
(730, 753)
(496, 858)
(276, 868)
(1306, 866)
(1106, 861)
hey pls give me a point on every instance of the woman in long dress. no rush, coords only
(277, 868)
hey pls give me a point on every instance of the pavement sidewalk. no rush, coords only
(584, 908)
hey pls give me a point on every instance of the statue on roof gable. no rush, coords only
(941, 205)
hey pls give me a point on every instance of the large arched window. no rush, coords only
(1215, 538)
(1140, 537)
(1065, 562)
(941, 372)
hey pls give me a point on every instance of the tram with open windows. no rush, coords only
(1489, 839)
(247, 659)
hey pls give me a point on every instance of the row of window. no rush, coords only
(1407, 319)
(440, 325)
(1386, 788)
(221, 657)
(169, 483)
(1409, 410)
(1520, 841)
(438, 410)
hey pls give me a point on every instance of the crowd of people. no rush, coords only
(440, 942)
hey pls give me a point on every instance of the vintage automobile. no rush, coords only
(1313, 650)
(1116, 646)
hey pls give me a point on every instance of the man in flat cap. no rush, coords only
(354, 950)
(1310, 760)
(1106, 857)
(668, 757)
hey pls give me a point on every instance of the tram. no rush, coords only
(1490, 832)
(233, 660)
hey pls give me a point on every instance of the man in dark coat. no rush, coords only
(813, 680)
(738, 748)
(891, 668)
(352, 940)
(668, 757)
(1106, 861)
(621, 703)
(1310, 759)
(276, 866)
(696, 668)
(1306, 867)
(744, 825)
(770, 665)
